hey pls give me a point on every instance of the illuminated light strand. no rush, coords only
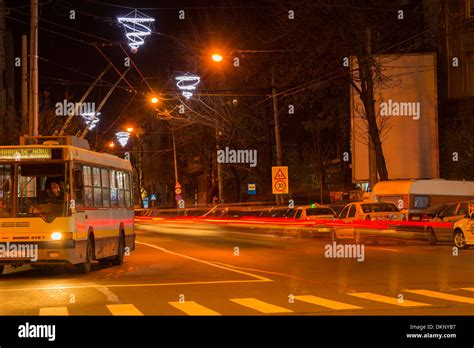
(91, 119)
(123, 137)
(187, 83)
(137, 26)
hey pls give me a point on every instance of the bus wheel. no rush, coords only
(431, 236)
(118, 259)
(1, 269)
(85, 267)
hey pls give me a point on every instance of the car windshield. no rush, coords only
(379, 208)
(6, 184)
(42, 190)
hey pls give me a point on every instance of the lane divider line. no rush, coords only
(209, 263)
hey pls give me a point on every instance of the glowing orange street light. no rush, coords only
(130, 129)
(216, 57)
(111, 144)
(154, 100)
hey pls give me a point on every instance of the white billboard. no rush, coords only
(406, 108)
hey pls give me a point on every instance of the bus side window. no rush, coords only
(113, 189)
(105, 187)
(78, 186)
(128, 202)
(88, 201)
(97, 187)
(120, 182)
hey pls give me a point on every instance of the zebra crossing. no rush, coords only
(261, 306)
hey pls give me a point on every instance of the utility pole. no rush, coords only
(24, 85)
(33, 102)
(370, 94)
(276, 118)
(175, 160)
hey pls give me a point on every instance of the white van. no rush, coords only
(412, 196)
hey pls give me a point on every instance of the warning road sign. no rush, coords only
(280, 180)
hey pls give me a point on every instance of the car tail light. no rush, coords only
(425, 217)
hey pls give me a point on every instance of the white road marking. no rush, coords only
(123, 309)
(53, 311)
(324, 302)
(261, 306)
(193, 308)
(386, 299)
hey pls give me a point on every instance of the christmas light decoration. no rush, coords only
(122, 138)
(137, 26)
(91, 119)
(187, 83)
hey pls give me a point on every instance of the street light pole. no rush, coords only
(276, 118)
(219, 171)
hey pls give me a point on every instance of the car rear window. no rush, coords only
(378, 207)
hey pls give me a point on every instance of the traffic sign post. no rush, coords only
(252, 188)
(280, 180)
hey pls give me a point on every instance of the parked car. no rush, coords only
(451, 212)
(369, 210)
(428, 213)
(315, 212)
(463, 235)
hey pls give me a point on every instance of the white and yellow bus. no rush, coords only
(70, 204)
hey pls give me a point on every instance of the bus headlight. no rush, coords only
(56, 236)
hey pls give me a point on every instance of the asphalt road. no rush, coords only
(209, 269)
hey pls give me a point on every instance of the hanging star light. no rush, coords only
(187, 83)
(91, 119)
(137, 26)
(122, 138)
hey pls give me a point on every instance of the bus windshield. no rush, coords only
(42, 190)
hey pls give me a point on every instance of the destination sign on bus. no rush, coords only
(22, 154)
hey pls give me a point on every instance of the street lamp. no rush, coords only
(111, 145)
(154, 100)
(216, 57)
